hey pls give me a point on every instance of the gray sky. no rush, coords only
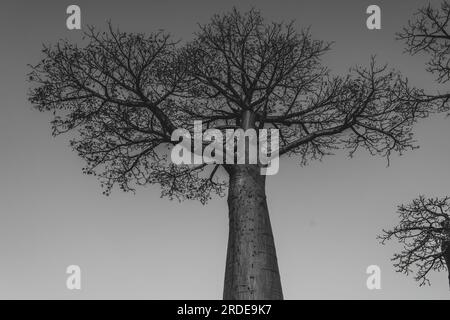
(325, 216)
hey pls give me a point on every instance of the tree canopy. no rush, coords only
(123, 94)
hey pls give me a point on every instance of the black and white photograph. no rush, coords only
(225, 151)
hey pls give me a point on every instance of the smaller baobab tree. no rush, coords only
(424, 232)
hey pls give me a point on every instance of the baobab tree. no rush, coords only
(424, 232)
(123, 94)
(424, 227)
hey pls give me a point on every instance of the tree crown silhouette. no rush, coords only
(123, 94)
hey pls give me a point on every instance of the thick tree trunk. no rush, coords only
(251, 268)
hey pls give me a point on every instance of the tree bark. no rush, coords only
(251, 268)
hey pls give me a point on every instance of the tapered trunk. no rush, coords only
(251, 268)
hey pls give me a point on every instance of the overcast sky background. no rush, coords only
(325, 216)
